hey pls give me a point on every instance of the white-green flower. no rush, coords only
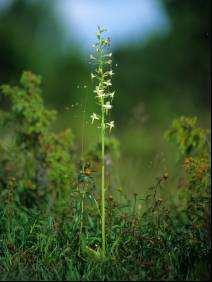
(107, 82)
(92, 57)
(108, 55)
(110, 124)
(99, 92)
(112, 94)
(101, 29)
(93, 76)
(101, 95)
(94, 117)
(107, 106)
(111, 72)
(109, 62)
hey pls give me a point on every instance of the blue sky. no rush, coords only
(127, 21)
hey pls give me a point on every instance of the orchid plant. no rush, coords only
(102, 74)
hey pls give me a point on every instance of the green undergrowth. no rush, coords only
(50, 203)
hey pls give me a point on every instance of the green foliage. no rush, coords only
(40, 161)
(26, 109)
(195, 192)
(187, 136)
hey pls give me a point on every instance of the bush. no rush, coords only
(38, 161)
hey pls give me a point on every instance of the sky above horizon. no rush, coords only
(127, 22)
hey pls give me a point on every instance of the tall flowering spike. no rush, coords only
(102, 75)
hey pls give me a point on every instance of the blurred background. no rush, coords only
(161, 57)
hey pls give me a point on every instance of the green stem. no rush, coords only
(103, 179)
(81, 218)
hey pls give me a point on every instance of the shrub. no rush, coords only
(39, 161)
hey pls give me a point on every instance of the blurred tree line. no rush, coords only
(170, 72)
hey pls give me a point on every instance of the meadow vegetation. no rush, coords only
(56, 223)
